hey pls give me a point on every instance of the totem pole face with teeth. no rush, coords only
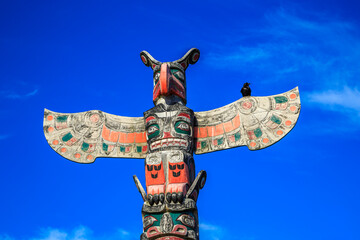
(169, 129)
(169, 77)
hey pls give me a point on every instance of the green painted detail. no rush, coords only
(174, 72)
(203, 145)
(237, 136)
(85, 146)
(122, 149)
(275, 119)
(153, 133)
(62, 118)
(258, 132)
(174, 216)
(281, 99)
(105, 147)
(67, 137)
(138, 149)
(182, 127)
(220, 141)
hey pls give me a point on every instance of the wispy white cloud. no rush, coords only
(316, 50)
(212, 232)
(340, 100)
(15, 95)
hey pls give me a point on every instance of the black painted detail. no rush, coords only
(180, 166)
(149, 167)
(174, 197)
(154, 175)
(150, 199)
(175, 174)
(172, 167)
(156, 198)
(180, 197)
(157, 168)
(161, 197)
(168, 197)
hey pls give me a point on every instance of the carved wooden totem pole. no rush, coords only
(167, 136)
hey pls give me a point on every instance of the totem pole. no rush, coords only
(167, 136)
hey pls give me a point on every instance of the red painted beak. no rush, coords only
(168, 85)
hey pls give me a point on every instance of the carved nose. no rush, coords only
(167, 135)
(165, 75)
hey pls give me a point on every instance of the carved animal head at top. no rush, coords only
(169, 77)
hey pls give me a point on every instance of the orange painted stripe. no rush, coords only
(219, 130)
(211, 131)
(202, 132)
(228, 126)
(114, 136)
(140, 137)
(106, 133)
(236, 121)
(122, 137)
(130, 138)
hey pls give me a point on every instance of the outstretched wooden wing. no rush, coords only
(82, 137)
(256, 122)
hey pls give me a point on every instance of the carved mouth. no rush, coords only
(169, 142)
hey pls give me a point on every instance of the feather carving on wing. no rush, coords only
(255, 122)
(83, 137)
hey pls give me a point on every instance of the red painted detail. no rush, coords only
(153, 231)
(167, 135)
(179, 230)
(165, 74)
(184, 115)
(150, 118)
(153, 66)
(156, 92)
(196, 57)
(144, 148)
(198, 145)
(143, 59)
(247, 105)
(251, 135)
(183, 64)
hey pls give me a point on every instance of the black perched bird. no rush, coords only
(246, 90)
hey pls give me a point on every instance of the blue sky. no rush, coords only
(74, 56)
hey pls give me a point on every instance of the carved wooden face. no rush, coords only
(169, 79)
(171, 129)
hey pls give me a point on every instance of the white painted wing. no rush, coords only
(255, 122)
(83, 137)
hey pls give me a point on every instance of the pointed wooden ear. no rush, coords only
(148, 60)
(191, 57)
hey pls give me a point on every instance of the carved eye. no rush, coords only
(156, 78)
(178, 74)
(153, 131)
(182, 127)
